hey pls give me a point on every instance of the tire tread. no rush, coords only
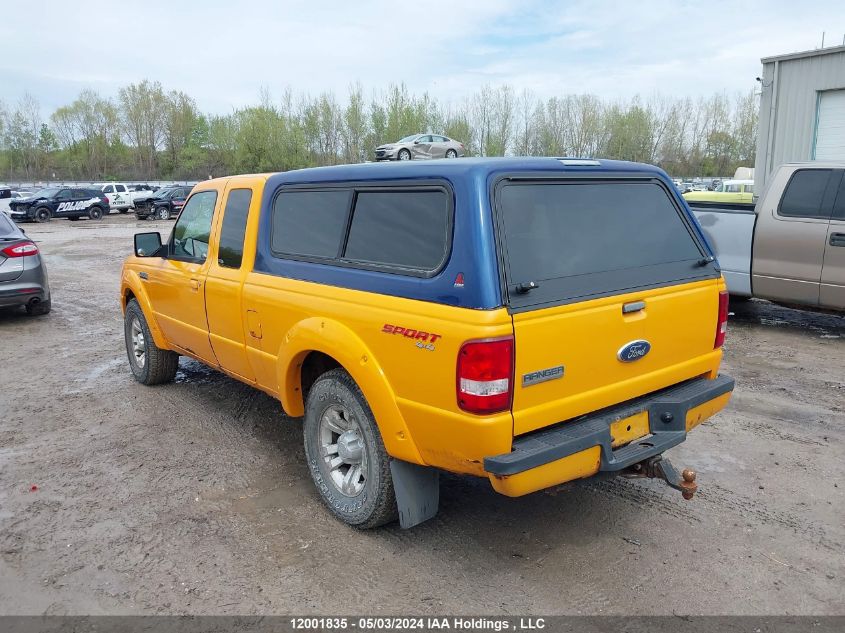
(161, 364)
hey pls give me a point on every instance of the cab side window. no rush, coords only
(108, 189)
(193, 228)
(805, 194)
(234, 227)
(120, 188)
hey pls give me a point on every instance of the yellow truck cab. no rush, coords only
(528, 320)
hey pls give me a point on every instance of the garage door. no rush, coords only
(830, 131)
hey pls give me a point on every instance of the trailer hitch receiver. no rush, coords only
(661, 468)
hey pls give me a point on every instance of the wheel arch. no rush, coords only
(131, 288)
(315, 344)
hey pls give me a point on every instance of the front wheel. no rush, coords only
(43, 214)
(345, 453)
(150, 364)
(163, 213)
(404, 154)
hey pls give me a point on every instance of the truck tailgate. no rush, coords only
(730, 232)
(584, 340)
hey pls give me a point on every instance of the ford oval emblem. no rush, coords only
(632, 351)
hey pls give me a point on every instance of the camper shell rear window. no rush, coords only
(564, 240)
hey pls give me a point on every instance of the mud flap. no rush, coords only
(417, 492)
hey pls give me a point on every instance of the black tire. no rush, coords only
(95, 213)
(162, 213)
(403, 154)
(450, 153)
(737, 299)
(39, 308)
(43, 214)
(375, 503)
(157, 365)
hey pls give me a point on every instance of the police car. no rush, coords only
(60, 202)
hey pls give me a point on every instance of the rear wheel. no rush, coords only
(95, 213)
(43, 214)
(150, 364)
(345, 453)
(450, 153)
(404, 154)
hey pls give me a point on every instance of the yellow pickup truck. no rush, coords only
(530, 321)
(729, 191)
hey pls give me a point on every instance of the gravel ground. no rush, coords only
(194, 497)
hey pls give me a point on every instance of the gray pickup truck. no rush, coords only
(790, 246)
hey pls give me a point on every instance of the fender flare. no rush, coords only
(132, 282)
(330, 337)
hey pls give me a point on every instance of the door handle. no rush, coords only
(143, 275)
(195, 284)
(837, 239)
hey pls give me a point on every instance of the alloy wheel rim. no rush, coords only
(139, 348)
(343, 450)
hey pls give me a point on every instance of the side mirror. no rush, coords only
(147, 244)
(417, 142)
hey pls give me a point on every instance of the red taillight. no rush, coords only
(485, 375)
(722, 323)
(106, 198)
(21, 249)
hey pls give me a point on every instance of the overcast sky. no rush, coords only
(223, 53)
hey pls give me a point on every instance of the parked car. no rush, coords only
(121, 196)
(23, 275)
(143, 188)
(164, 204)
(513, 319)
(790, 247)
(6, 196)
(727, 191)
(421, 146)
(60, 202)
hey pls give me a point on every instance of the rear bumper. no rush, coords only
(583, 447)
(20, 294)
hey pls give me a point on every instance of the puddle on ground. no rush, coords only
(820, 324)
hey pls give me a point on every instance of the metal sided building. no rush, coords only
(802, 110)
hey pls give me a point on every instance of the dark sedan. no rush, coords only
(164, 204)
(23, 276)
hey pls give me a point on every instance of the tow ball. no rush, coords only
(661, 468)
